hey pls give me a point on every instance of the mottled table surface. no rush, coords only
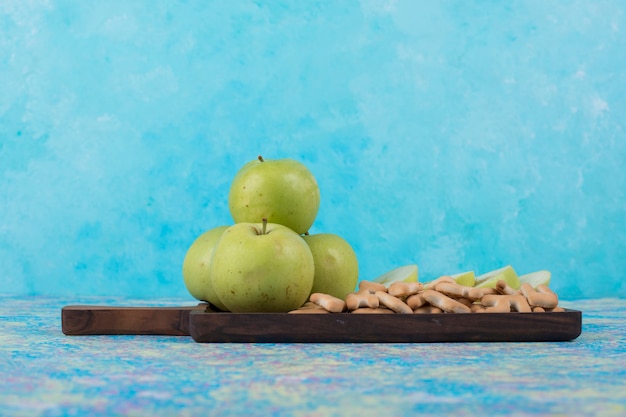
(43, 372)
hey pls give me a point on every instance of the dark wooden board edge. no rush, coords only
(208, 326)
(88, 320)
(212, 327)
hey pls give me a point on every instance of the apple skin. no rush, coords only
(406, 273)
(336, 264)
(467, 278)
(197, 263)
(262, 269)
(536, 278)
(282, 191)
(491, 278)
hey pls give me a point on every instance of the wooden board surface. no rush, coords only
(82, 320)
(211, 327)
(207, 326)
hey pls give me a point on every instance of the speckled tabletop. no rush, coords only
(47, 373)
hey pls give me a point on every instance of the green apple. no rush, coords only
(262, 267)
(536, 278)
(506, 274)
(406, 273)
(336, 265)
(467, 278)
(282, 191)
(196, 266)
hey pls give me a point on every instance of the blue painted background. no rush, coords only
(455, 135)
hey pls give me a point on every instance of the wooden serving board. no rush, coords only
(81, 320)
(207, 326)
(212, 327)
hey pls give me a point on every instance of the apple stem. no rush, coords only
(264, 225)
(261, 158)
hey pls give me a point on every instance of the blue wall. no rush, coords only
(455, 135)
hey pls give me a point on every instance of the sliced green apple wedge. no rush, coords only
(407, 273)
(536, 278)
(467, 278)
(506, 274)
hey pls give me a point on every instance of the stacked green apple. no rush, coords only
(267, 261)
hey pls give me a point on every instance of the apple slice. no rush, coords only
(407, 273)
(467, 278)
(506, 274)
(536, 278)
